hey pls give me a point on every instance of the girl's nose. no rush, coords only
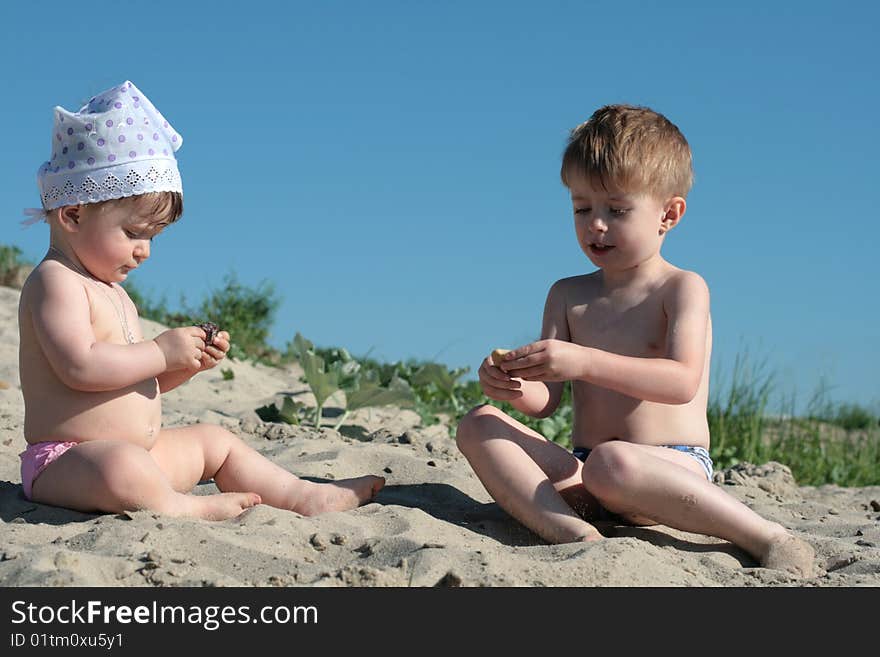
(142, 250)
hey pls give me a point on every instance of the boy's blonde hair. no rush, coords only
(633, 148)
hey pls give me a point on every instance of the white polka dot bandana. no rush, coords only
(116, 145)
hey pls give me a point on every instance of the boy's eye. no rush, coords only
(619, 211)
(581, 210)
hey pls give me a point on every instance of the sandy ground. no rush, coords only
(433, 523)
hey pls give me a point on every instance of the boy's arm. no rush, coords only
(61, 318)
(674, 379)
(541, 398)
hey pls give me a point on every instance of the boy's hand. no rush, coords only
(496, 384)
(182, 347)
(215, 351)
(546, 360)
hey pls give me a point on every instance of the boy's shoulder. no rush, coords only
(676, 283)
(579, 282)
(683, 280)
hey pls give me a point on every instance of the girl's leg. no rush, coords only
(646, 483)
(533, 479)
(112, 476)
(204, 451)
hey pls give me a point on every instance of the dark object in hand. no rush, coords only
(210, 329)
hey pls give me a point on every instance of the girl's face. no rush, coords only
(111, 239)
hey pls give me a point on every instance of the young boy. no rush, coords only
(91, 384)
(634, 338)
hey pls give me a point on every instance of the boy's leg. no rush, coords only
(111, 476)
(205, 451)
(646, 483)
(534, 480)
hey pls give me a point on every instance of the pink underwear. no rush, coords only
(35, 459)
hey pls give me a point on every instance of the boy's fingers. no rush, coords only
(523, 351)
(502, 394)
(499, 378)
(496, 373)
(521, 363)
(532, 373)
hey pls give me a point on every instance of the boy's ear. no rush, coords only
(68, 217)
(673, 212)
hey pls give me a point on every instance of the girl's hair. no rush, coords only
(632, 148)
(162, 207)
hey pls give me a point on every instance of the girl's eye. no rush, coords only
(581, 210)
(619, 211)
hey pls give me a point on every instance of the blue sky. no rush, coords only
(392, 167)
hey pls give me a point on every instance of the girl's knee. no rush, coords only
(123, 471)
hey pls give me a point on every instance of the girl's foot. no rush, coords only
(221, 506)
(341, 495)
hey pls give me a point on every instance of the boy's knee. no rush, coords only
(474, 425)
(610, 467)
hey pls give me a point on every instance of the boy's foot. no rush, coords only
(790, 554)
(221, 506)
(341, 495)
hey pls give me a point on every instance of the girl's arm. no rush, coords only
(61, 316)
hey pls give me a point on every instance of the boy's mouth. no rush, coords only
(600, 249)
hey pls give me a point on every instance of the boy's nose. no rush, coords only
(597, 224)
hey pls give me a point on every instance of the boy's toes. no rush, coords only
(792, 555)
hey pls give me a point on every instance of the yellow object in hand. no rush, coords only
(497, 355)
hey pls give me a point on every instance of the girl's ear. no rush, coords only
(68, 217)
(674, 211)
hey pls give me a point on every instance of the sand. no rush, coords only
(433, 524)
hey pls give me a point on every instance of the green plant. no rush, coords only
(11, 264)
(290, 412)
(344, 373)
(228, 374)
(246, 313)
(366, 393)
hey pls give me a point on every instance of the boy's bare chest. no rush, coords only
(627, 326)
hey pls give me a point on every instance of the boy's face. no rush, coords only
(619, 229)
(112, 239)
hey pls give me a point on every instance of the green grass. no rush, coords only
(830, 443)
(12, 262)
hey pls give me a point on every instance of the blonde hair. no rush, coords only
(633, 148)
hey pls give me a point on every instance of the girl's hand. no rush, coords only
(497, 384)
(182, 347)
(214, 352)
(546, 360)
